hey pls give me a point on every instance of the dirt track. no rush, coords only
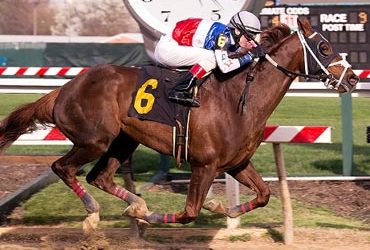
(346, 198)
(254, 238)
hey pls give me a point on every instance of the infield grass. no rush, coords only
(57, 204)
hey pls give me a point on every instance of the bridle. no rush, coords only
(330, 81)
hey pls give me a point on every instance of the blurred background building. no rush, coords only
(108, 21)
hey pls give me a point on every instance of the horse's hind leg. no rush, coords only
(249, 177)
(101, 176)
(67, 167)
(200, 182)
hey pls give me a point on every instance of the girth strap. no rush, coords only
(180, 140)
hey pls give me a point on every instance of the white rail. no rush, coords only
(45, 85)
(299, 178)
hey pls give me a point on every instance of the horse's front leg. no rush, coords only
(248, 176)
(200, 182)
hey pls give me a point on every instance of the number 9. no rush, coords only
(363, 17)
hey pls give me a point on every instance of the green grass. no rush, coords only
(8, 102)
(57, 204)
(38, 150)
(243, 237)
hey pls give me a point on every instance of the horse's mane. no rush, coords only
(272, 36)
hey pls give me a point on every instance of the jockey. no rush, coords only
(204, 45)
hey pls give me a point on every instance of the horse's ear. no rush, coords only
(304, 26)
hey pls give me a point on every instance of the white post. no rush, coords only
(284, 194)
(210, 192)
(233, 199)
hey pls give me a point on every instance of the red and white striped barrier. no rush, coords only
(41, 71)
(43, 136)
(272, 134)
(297, 134)
(363, 73)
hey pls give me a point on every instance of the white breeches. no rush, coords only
(168, 52)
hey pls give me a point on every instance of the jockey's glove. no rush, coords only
(257, 52)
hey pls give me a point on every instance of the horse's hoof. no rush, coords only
(233, 214)
(142, 225)
(214, 206)
(90, 223)
(211, 205)
(136, 210)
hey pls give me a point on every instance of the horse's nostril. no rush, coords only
(353, 79)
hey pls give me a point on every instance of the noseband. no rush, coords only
(330, 81)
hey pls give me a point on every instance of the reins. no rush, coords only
(243, 97)
(292, 74)
(326, 77)
(329, 80)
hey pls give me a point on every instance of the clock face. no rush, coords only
(158, 17)
(162, 15)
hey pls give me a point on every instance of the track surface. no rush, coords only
(16, 171)
(68, 238)
(346, 198)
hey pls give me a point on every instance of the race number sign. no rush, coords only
(345, 26)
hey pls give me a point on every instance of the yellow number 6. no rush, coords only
(144, 101)
(221, 41)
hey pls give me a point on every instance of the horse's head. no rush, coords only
(323, 61)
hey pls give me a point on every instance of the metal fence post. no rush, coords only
(347, 134)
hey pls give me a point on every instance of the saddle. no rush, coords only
(150, 102)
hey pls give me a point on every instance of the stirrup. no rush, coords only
(183, 98)
(194, 103)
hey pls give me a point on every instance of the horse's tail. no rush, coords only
(24, 119)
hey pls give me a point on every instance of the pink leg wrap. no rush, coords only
(78, 189)
(120, 193)
(169, 218)
(250, 205)
(245, 208)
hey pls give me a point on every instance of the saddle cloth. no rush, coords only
(150, 99)
(150, 102)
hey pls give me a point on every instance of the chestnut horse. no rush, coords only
(92, 111)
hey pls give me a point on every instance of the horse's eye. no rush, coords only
(324, 48)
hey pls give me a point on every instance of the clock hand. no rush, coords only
(218, 4)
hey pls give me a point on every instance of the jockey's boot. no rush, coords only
(184, 90)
